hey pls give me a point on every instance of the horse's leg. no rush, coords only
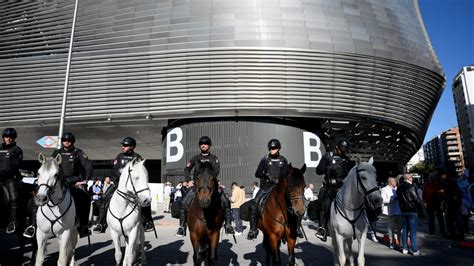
(41, 240)
(341, 256)
(72, 246)
(64, 248)
(141, 233)
(130, 246)
(274, 245)
(334, 249)
(266, 245)
(118, 252)
(214, 241)
(291, 242)
(360, 256)
(348, 250)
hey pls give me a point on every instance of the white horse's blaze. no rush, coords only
(133, 181)
(56, 201)
(351, 199)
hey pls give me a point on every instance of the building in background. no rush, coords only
(445, 151)
(463, 91)
(241, 72)
(417, 158)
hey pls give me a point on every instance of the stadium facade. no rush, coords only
(242, 72)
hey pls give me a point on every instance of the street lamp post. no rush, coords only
(66, 81)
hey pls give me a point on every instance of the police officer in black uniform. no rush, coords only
(205, 156)
(335, 166)
(270, 170)
(11, 157)
(77, 170)
(127, 155)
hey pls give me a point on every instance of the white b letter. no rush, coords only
(176, 143)
(309, 149)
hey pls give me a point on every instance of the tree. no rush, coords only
(422, 168)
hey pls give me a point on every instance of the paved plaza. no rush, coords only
(168, 249)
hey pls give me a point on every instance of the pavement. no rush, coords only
(168, 249)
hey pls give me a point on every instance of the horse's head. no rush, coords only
(296, 186)
(48, 178)
(134, 182)
(367, 183)
(206, 184)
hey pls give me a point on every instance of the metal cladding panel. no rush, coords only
(240, 145)
(329, 59)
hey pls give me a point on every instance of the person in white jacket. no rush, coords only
(391, 208)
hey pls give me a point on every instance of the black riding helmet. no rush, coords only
(129, 141)
(343, 145)
(69, 137)
(274, 144)
(9, 132)
(205, 140)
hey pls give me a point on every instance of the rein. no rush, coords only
(131, 198)
(339, 204)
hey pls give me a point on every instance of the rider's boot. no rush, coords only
(253, 232)
(182, 222)
(228, 222)
(299, 233)
(147, 219)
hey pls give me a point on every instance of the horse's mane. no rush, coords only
(205, 168)
(295, 177)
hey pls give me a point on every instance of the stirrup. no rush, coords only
(98, 229)
(229, 229)
(321, 233)
(11, 228)
(29, 232)
(252, 234)
(149, 226)
(181, 231)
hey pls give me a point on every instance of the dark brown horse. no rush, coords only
(280, 215)
(205, 217)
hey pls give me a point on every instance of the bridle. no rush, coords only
(338, 204)
(50, 204)
(131, 198)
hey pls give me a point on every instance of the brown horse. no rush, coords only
(280, 215)
(205, 217)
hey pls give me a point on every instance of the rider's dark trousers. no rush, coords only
(104, 205)
(32, 210)
(326, 195)
(13, 188)
(83, 205)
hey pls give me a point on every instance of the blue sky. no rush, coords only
(450, 26)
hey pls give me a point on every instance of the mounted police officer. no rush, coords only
(77, 170)
(195, 162)
(127, 155)
(11, 157)
(270, 170)
(335, 166)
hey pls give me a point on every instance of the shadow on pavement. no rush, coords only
(225, 255)
(161, 255)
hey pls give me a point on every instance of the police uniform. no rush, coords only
(11, 157)
(335, 168)
(76, 167)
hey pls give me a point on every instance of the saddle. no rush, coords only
(244, 210)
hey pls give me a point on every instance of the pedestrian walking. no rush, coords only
(236, 200)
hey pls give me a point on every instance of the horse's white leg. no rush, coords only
(73, 243)
(334, 250)
(360, 256)
(142, 244)
(348, 250)
(64, 248)
(41, 240)
(116, 238)
(340, 250)
(130, 247)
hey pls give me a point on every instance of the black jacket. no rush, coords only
(120, 162)
(408, 199)
(74, 163)
(271, 169)
(334, 167)
(11, 157)
(196, 161)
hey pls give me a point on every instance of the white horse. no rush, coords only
(348, 219)
(124, 213)
(56, 214)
